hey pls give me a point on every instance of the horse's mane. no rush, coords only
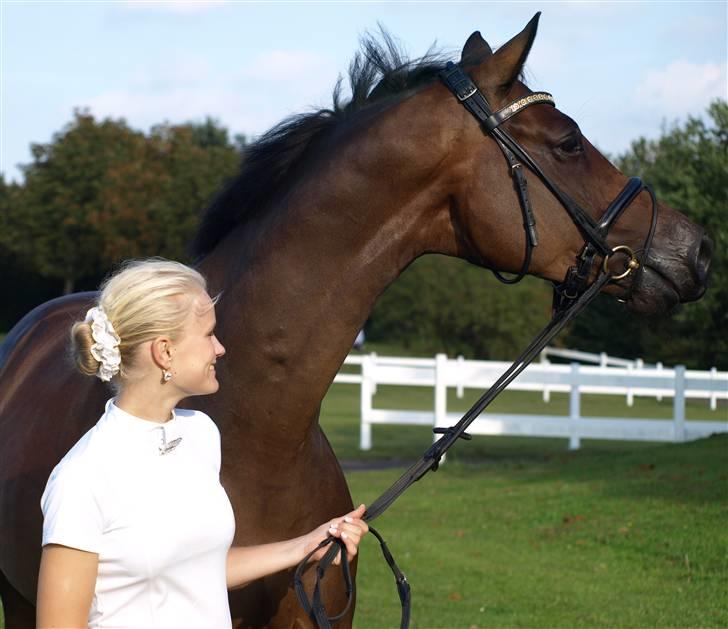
(379, 70)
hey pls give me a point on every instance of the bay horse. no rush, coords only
(328, 209)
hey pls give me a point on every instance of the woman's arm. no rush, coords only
(246, 564)
(66, 585)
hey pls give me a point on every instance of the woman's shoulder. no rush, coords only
(80, 466)
(197, 421)
(88, 450)
(204, 432)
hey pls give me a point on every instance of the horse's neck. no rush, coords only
(300, 282)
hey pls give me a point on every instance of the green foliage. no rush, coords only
(445, 304)
(688, 167)
(101, 192)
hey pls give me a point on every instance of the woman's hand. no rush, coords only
(349, 528)
(248, 563)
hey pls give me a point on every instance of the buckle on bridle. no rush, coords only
(468, 95)
(632, 265)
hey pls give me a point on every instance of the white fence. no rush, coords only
(442, 373)
(602, 359)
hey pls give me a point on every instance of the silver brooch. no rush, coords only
(165, 447)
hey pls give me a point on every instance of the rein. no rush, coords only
(570, 298)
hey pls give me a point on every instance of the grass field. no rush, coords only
(585, 539)
(522, 533)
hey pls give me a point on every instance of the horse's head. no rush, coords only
(673, 253)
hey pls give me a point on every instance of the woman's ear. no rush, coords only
(161, 350)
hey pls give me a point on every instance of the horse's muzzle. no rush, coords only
(676, 268)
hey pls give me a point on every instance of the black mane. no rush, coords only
(380, 70)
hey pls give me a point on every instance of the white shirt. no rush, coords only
(161, 523)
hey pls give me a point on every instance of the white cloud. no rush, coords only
(682, 87)
(274, 85)
(181, 104)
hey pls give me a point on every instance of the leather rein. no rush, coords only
(570, 298)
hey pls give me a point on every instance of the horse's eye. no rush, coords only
(571, 145)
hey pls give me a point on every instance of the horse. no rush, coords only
(328, 209)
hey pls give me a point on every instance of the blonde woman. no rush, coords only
(137, 529)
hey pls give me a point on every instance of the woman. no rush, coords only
(137, 529)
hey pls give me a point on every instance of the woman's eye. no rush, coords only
(571, 145)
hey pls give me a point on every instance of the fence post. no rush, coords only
(714, 393)
(678, 406)
(440, 396)
(603, 359)
(546, 390)
(371, 368)
(365, 428)
(659, 368)
(460, 389)
(574, 408)
(630, 395)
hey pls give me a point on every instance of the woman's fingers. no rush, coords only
(350, 529)
(351, 534)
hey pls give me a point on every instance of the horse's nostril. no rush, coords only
(702, 262)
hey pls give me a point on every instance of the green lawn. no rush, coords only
(517, 532)
(584, 539)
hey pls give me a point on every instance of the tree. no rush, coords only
(101, 192)
(56, 231)
(688, 167)
(446, 304)
(198, 160)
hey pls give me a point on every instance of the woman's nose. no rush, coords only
(219, 349)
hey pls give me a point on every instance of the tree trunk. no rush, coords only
(67, 285)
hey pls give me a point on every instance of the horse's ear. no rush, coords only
(511, 56)
(476, 50)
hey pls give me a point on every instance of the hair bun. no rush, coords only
(82, 341)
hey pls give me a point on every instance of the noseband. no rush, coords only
(570, 297)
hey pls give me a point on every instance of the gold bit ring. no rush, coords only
(632, 265)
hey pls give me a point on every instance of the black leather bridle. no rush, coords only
(570, 297)
(595, 233)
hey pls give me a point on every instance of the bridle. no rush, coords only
(595, 233)
(570, 297)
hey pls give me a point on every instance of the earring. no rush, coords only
(166, 375)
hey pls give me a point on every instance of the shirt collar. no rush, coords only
(154, 434)
(137, 423)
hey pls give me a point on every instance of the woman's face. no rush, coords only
(195, 354)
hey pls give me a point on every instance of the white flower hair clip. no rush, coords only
(106, 348)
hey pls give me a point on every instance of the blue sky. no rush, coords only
(621, 69)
